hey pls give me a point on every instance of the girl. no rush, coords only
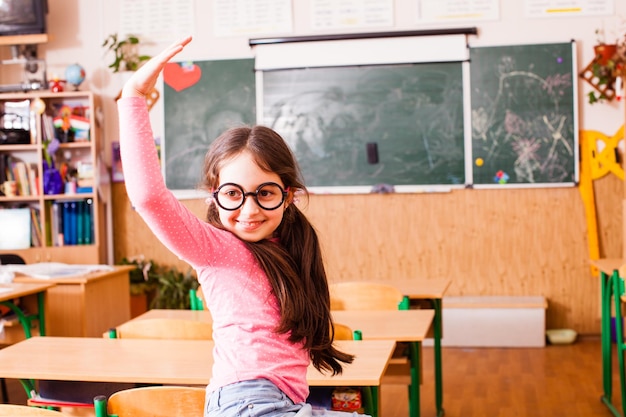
(257, 258)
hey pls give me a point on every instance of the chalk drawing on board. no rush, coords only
(223, 97)
(332, 116)
(523, 115)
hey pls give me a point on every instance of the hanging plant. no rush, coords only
(608, 64)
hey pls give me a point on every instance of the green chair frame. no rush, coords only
(612, 290)
(195, 302)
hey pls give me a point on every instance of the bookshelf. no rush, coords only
(66, 211)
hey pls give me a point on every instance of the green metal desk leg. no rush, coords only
(41, 314)
(437, 351)
(375, 404)
(606, 289)
(370, 400)
(29, 387)
(100, 406)
(25, 321)
(414, 390)
(618, 290)
(22, 318)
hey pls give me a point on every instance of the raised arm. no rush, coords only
(175, 226)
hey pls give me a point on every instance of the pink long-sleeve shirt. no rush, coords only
(237, 291)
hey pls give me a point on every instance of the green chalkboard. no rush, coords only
(223, 97)
(396, 124)
(523, 126)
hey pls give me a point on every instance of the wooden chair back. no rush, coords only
(343, 332)
(165, 328)
(164, 401)
(359, 295)
(12, 410)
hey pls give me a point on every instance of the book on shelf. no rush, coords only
(56, 225)
(80, 225)
(21, 176)
(35, 227)
(4, 164)
(88, 221)
(33, 179)
(67, 232)
(47, 127)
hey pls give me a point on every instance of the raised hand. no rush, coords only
(144, 79)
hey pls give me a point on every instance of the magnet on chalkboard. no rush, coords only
(372, 152)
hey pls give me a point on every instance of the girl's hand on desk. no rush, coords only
(144, 79)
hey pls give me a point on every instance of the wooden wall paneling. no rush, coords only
(489, 242)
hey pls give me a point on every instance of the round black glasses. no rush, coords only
(268, 196)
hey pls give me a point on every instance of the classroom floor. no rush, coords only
(479, 382)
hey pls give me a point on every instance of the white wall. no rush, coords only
(78, 27)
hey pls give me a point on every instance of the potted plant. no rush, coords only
(158, 286)
(125, 52)
(173, 289)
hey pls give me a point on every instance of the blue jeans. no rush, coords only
(259, 398)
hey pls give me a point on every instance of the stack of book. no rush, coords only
(23, 173)
(71, 222)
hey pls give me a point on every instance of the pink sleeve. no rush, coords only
(175, 226)
(142, 172)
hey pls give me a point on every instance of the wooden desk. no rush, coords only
(398, 325)
(181, 362)
(86, 305)
(609, 286)
(432, 291)
(10, 292)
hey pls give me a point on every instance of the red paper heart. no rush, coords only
(180, 77)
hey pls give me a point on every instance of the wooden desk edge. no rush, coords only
(25, 288)
(90, 276)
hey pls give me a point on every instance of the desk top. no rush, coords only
(608, 265)
(398, 325)
(16, 290)
(78, 279)
(161, 361)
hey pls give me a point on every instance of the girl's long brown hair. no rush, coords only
(294, 266)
